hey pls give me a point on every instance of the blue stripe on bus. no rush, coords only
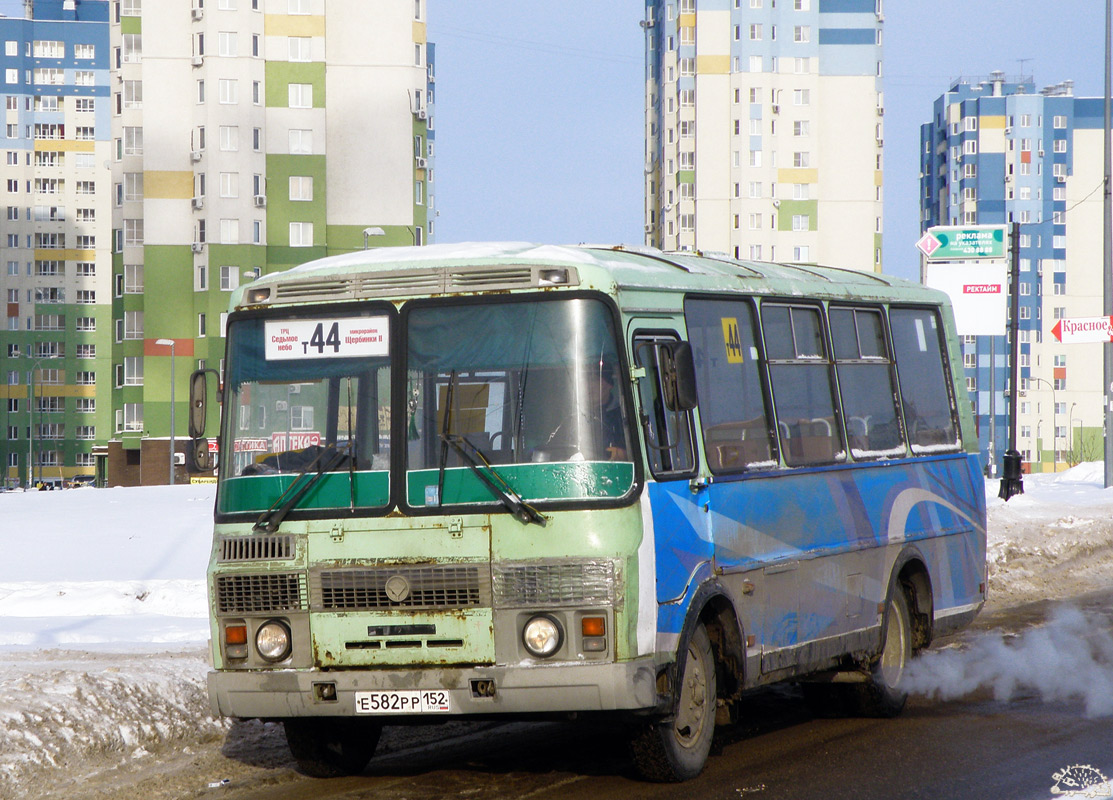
(755, 521)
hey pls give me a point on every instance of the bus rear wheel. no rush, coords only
(676, 750)
(331, 747)
(883, 695)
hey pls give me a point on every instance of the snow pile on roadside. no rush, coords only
(62, 713)
(1053, 541)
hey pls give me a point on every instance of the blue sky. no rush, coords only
(540, 107)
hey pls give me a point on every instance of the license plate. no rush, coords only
(432, 701)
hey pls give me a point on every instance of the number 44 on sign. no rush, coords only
(1084, 329)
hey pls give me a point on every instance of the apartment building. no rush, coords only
(56, 340)
(764, 129)
(999, 151)
(233, 138)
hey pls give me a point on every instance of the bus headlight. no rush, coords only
(542, 636)
(272, 640)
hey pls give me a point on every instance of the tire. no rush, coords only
(676, 749)
(331, 747)
(882, 695)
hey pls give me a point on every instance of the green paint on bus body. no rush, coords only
(260, 492)
(586, 480)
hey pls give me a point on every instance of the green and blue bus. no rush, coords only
(510, 480)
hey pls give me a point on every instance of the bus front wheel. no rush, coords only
(676, 750)
(330, 747)
(883, 695)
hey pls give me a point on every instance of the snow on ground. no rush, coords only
(103, 616)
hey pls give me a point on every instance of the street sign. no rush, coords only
(1084, 329)
(951, 243)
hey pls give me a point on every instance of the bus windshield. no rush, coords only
(532, 387)
(307, 395)
(525, 396)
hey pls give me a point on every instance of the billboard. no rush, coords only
(979, 293)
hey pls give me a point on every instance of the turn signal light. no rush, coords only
(235, 634)
(593, 626)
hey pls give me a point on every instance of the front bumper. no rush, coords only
(533, 689)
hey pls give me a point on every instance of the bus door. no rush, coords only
(678, 499)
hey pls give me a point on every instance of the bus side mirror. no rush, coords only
(678, 371)
(198, 456)
(198, 394)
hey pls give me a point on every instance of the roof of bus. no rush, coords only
(611, 266)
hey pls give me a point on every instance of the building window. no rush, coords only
(301, 142)
(227, 45)
(229, 231)
(229, 138)
(229, 91)
(229, 184)
(133, 232)
(299, 48)
(301, 188)
(301, 234)
(133, 278)
(229, 278)
(301, 95)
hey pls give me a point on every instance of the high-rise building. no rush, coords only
(56, 341)
(764, 129)
(225, 139)
(998, 152)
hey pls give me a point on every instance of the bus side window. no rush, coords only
(737, 434)
(924, 379)
(668, 432)
(866, 383)
(801, 378)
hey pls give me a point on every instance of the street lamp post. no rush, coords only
(170, 343)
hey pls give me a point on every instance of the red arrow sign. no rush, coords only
(1084, 329)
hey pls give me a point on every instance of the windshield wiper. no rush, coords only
(326, 461)
(477, 462)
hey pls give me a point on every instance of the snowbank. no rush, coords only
(89, 567)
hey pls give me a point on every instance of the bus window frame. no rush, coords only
(398, 391)
(886, 333)
(949, 379)
(362, 308)
(650, 336)
(763, 377)
(839, 423)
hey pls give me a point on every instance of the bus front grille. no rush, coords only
(440, 586)
(256, 548)
(252, 594)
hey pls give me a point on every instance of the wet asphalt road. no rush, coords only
(970, 748)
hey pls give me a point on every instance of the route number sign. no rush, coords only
(349, 337)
